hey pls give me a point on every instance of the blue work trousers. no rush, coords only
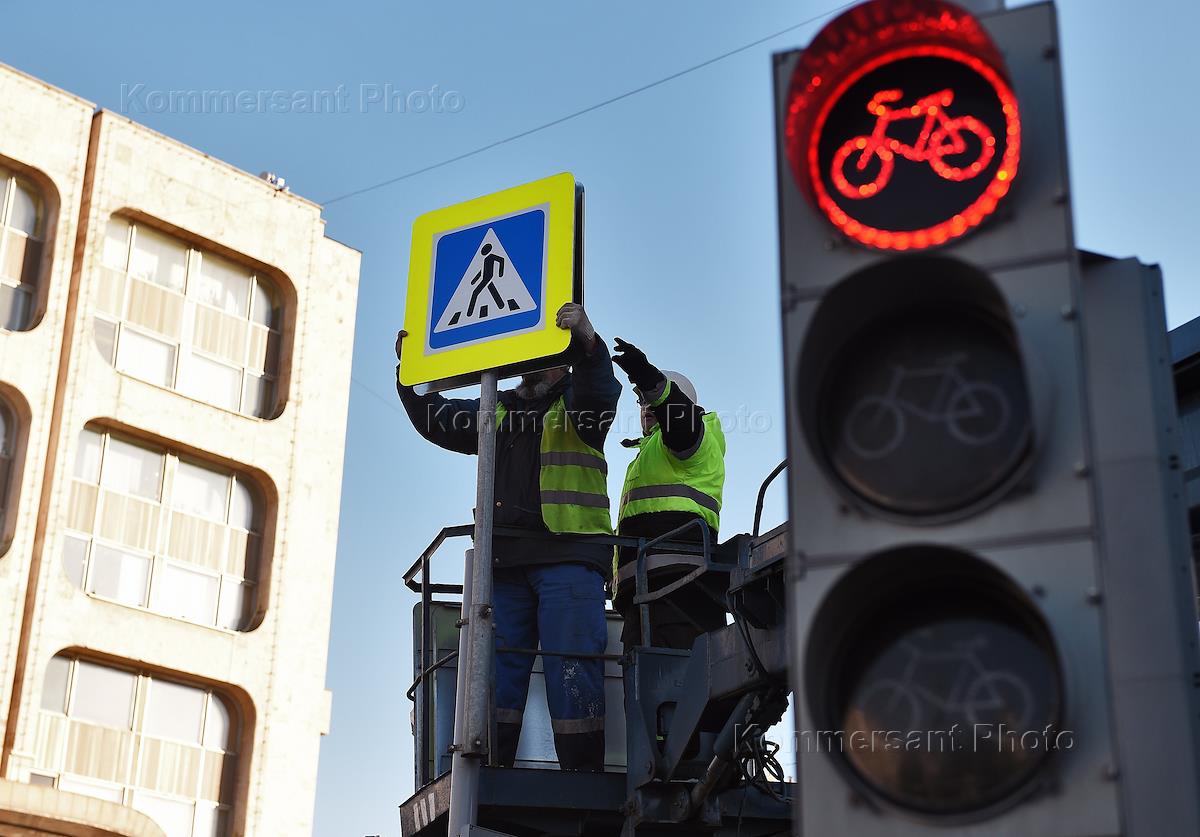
(560, 606)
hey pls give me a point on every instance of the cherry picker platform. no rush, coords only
(687, 752)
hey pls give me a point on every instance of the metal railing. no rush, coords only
(417, 579)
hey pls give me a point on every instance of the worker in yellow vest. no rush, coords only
(677, 476)
(551, 478)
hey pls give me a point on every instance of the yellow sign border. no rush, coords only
(418, 365)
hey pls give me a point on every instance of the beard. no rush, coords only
(534, 386)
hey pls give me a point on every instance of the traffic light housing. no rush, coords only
(976, 442)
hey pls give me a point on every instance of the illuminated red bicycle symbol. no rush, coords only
(941, 136)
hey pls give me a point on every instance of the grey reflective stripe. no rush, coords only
(690, 452)
(576, 498)
(584, 460)
(576, 725)
(626, 572)
(508, 716)
(654, 492)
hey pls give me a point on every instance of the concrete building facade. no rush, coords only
(175, 345)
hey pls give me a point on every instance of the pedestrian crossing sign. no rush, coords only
(486, 278)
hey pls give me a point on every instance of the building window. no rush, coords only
(164, 748)
(22, 233)
(150, 528)
(8, 444)
(188, 319)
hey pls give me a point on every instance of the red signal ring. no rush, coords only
(862, 40)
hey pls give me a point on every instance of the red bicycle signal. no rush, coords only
(886, 88)
(941, 136)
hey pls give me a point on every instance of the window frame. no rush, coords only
(8, 457)
(32, 289)
(12, 467)
(249, 588)
(183, 349)
(130, 789)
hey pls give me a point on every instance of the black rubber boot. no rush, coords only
(507, 736)
(580, 751)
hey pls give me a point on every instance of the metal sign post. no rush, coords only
(460, 707)
(471, 743)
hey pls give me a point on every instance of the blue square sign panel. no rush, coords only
(488, 280)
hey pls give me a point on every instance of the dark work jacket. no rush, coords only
(590, 393)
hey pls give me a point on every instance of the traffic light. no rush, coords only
(992, 608)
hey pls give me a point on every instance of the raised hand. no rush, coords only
(642, 373)
(572, 317)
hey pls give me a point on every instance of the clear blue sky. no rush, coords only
(681, 239)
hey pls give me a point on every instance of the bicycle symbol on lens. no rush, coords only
(941, 136)
(974, 413)
(972, 693)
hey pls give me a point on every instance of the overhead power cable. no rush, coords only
(582, 111)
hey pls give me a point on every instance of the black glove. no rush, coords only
(642, 374)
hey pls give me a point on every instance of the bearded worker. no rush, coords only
(551, 479)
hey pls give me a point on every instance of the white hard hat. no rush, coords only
(680, 380)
